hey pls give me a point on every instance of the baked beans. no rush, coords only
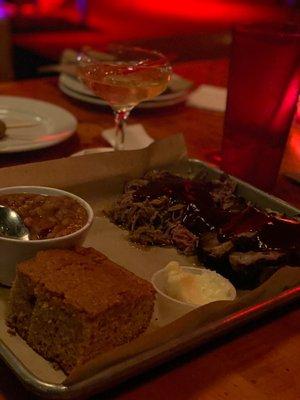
(46, 216)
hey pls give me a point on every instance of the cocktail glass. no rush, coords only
(124, 77)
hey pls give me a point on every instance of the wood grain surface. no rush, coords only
(261, 361)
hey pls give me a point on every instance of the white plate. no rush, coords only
(179, 90)
(50, 124)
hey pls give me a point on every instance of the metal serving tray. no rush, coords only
(117, 373)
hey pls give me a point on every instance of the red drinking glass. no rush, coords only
(263, 89)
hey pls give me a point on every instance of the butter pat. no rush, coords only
(199, 287)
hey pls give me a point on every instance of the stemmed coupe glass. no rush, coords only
(124, 77)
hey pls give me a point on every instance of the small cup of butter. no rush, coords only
(181, 289)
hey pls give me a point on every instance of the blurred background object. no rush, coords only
(6, 67)
(41, 29)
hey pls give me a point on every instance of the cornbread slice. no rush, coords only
(71, 305)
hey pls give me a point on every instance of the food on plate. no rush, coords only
(196, 287)
(251, 245)
(71, 305)
(207, 218)
(165, 209)
(47, 216)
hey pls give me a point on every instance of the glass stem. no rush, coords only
(121, 116)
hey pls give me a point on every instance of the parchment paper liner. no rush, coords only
(99, 178)
(284, 278)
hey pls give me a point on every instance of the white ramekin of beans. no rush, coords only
(54, 218)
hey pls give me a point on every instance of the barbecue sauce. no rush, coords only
(201, 213)
(272, 232)
(281, 233)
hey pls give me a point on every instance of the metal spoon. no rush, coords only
(11, 224)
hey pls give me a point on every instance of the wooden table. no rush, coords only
(261, 361)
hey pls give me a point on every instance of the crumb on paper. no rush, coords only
(11, 331)
(55, 366)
